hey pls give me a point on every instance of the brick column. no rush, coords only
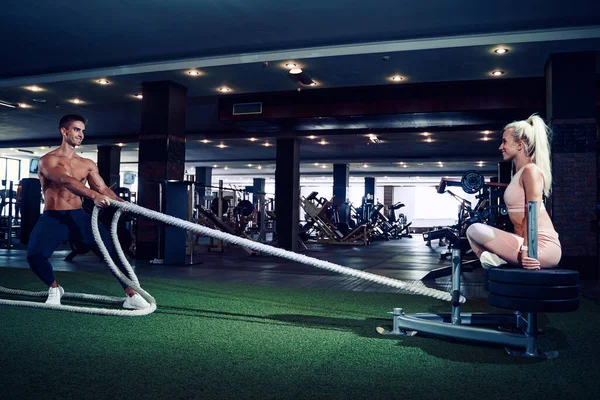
(571, 114)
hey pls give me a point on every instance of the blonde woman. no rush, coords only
(526, 144)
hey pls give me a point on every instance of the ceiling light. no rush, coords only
(120, 144)
(224, 89)
(295, 71)
(312, 137)
(76, 101)
(250, 165)
(34, 88)
(323, 166)
(253, 139)
(404, 166)
(486, 132)
(429, 140)
(290, 65)
(205, 141)
(43, 147)
(316, 164)
(138, 96)
(215, 166)
(103, 81)
(425, 134)
(23, 105)
(221, 146)
(497, 73)
(259, 167)
(485, 139)
(226, 168)
(374, 139)
(501, 50)
(267, 144)
(323, 142)
(366, 166)
(193, 72)
(396, 78)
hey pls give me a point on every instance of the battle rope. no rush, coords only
(132, 283)
(413, 288)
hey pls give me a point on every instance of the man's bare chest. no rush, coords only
(75, 169)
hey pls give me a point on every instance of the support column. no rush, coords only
(370, 186)
(109, 162)
(341, 181)
(287, 192)
(161, 155)
(571, 114)
(203, 182)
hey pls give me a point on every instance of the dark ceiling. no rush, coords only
(64, 47)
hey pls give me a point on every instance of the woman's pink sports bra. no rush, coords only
(514, 195)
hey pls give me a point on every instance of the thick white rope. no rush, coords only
(414, 288)
(133, 283)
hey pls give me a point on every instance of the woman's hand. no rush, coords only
(528, 262)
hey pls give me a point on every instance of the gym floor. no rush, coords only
(245, 326)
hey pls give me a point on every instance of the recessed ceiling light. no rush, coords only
(103, 81)
(226, 168)
(497, 73)
(138, 96)
(486, 132)
(77, 101)
(193, 72)
(485, 139)
(312, 137)
(501, 50)
(205, 141)
(404, 166)
(34, 88)
(295, 71)
(253, 139)
(425, 134)
(224, 89)
(24, 105)
(259, 167)
(215, 166)
(290, 65)
(316, 164)
(429, 140)
(221, 146)
(323, 166)
(365, 166)
(250, 165)
(267, 144)
(396, 78)
(313, 83)
(323, 142)
(120, 144)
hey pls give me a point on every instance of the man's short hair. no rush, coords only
(65, 122)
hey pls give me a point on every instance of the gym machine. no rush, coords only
(524, 291)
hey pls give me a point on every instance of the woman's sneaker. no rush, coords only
(54, 295)
(490, 260)
(135, 302)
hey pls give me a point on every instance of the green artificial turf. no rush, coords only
(213, 340)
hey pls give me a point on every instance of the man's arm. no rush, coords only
(52, 170)
(97, 183)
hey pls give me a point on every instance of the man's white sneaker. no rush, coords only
(490, 260)
(135, 302)
(54, 295)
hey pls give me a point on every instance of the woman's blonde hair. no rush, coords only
(535, 134)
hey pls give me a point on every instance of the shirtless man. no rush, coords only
(63, 175)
